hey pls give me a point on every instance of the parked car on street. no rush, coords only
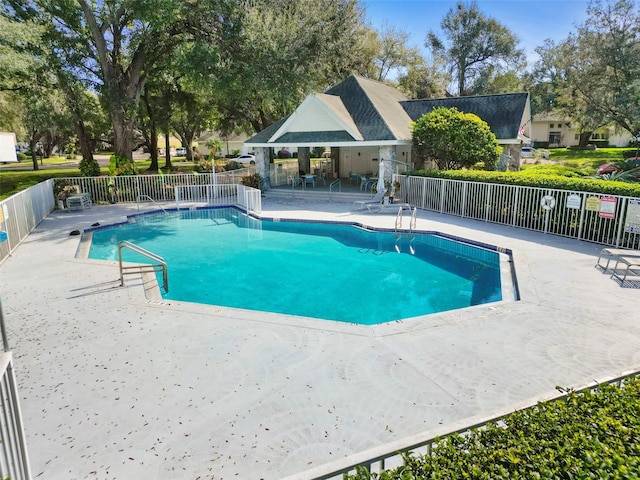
(530, 152)
(181, 152)
(245, 158)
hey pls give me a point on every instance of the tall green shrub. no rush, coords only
(89, 167)
(454, 140)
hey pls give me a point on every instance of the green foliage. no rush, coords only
(119, 166)
(63, 189)
(590, 434)
(476, 49)
(542, 181)
(454, 139)
(254, 180)
(592, 74)
(204, 166)
(89, 167)
(22, 157)
(233, 165)
(553, 169)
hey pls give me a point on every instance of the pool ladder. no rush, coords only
(412, 222)
(412, 226)
(159, 266)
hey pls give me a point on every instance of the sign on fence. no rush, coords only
(632, 222)
(574, 201)
(607, 207)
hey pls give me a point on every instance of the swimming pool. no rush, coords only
(322, 270)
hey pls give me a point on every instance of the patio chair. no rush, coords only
(310, 180)
(362, 204)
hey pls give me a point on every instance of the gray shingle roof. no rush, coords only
(265, 135)
(381, 113)
(502, 112)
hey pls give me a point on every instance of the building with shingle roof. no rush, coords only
(364, 121)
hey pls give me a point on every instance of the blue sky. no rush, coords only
(532, 21)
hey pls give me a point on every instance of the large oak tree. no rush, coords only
(474, 46)
(116, 45)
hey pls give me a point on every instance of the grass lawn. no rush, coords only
(575, 163)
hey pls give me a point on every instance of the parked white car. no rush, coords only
(246, 158)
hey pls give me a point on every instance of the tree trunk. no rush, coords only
(153, 150)
(84, 139)
(33, 142)
(167, 151)
(584, 139)
(122, 134)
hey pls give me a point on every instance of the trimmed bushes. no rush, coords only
(541, 181)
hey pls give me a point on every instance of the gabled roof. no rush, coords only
(360, 110)
(375, 108)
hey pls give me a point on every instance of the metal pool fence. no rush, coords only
(593, 217)
(160, 188)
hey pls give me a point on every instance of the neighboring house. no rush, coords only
(553, 130)
(227, 145)
(363, 121)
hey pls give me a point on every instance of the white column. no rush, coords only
(262, 166)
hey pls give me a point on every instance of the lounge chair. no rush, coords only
(362, 204)
(632, 266)
(381, 207)
(610, 254)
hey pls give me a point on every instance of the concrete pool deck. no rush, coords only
(116, 386)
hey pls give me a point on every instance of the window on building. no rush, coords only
(576, 136)
(551, 125)
(554, 138)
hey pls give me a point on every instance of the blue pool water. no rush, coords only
(322, 270)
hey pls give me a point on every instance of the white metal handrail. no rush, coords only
(413, 222)
(147, 197)
(160, 266)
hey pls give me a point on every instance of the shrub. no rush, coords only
(284, 153)
(553, 169)
(121, 166)
(254, 180)
(63, 189)
(89, 167)
(541, 181)
(454, 139)
(22, 157)
(203, 166)
(629, 153)
(233, 166)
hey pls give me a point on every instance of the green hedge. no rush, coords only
(591, 434)
(539, 180)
